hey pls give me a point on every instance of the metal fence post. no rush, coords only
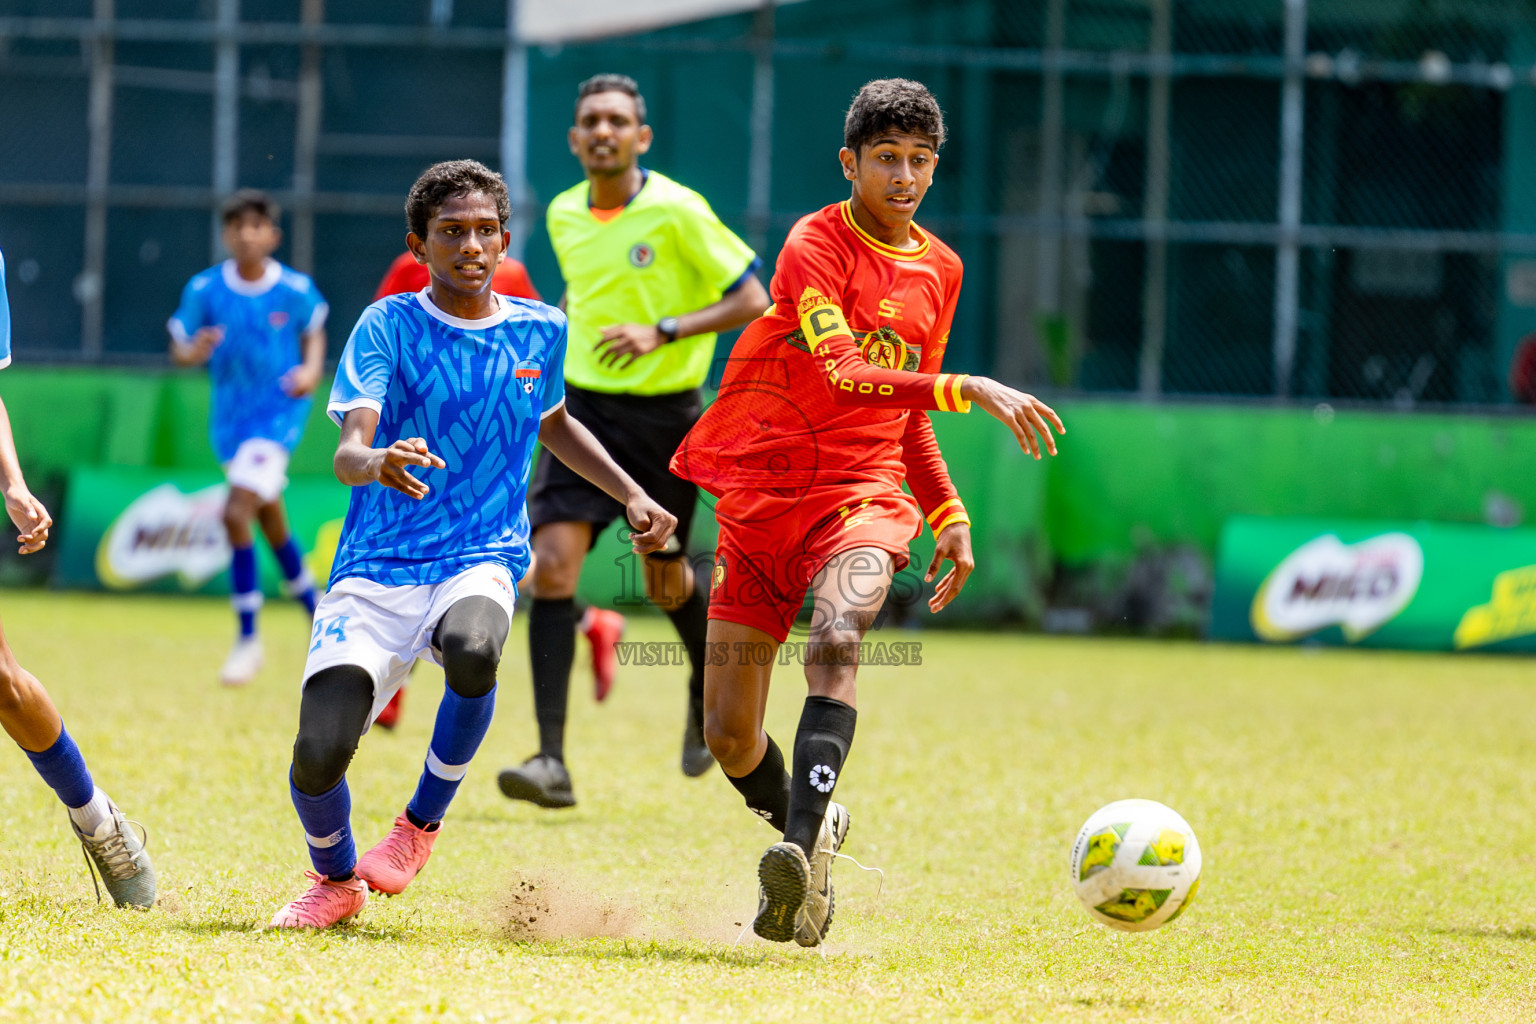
(1154, 289)
(91, 283)
(514, 130)
(1288, 252)
(760, 156)
(226, 118)
(306, 142)
(1048, 253)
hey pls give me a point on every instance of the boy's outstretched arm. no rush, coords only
(1023, 414)
(304, 378)
(851, 380)
(928, 477)
(358, 463)
(622, 344)
(195, 349)
(29, 515)
(574, 445)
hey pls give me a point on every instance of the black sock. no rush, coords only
(691, 620)
(766, 787)
(552, 650)
(821, 747)
(424, 825)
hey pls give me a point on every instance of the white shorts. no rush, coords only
(261, 466)
(383, 629)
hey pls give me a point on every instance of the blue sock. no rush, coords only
(62, 767)
(301, 585)
(461, 725)
(243, 593)
(327, 821)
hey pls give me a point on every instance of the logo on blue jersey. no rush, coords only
(527, 374)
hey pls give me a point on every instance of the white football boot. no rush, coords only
(117, 856)
(816, 917)
(243, 663)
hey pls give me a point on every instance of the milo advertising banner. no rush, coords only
(161, 530)
(1417, 586)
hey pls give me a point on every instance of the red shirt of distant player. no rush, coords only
(813, 431)
(406, 275)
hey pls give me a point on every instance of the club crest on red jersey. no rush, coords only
(884, 348)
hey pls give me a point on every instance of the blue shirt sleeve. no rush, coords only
(367, 366)
(192, 315)
(553, 375)
(5, 319)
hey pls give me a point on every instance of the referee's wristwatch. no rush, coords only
(667, 325)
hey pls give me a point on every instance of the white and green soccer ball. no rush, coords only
(1135, 865)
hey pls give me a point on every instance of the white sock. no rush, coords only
(89, 818)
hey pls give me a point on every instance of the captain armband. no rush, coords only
(822, 321)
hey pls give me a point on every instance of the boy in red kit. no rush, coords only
(806, 450)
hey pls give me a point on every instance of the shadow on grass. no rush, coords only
(671, 951)
(544, 818)
(359, 930)
(214, 926)
(1526, 934)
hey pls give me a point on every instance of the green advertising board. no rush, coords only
(161, 530)
(135, 529)
(1415, 586)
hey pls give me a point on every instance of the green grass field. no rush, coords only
(1366, 819)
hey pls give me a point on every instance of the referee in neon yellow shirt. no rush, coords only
(651, 274)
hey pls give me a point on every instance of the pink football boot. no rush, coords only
(398, 858)
(323, 904)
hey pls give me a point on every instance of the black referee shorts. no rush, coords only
(641, 432)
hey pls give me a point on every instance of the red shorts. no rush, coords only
(774, 543)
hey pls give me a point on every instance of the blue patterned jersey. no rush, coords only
(264, 323)
(5, 319)
(476, 390)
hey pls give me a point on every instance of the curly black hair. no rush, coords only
(250, 200)
(449, 180)
(892, 105)
(612, 83)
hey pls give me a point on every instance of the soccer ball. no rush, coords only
(1135, 865)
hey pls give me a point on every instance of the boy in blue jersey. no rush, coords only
(29, 717)
(260, 328)
(459, 383)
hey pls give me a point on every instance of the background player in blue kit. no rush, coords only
(459, 382)
(29, 717)
(260, 327)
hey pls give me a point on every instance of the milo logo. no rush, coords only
(1325, 582)
(165, 532)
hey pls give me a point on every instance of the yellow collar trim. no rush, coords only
(906, 255)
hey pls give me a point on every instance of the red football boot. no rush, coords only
(390, 716)
(603, 630)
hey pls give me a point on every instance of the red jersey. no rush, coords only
(406, 275)
(821, 390)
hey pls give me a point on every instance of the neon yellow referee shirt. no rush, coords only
(665, 255)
